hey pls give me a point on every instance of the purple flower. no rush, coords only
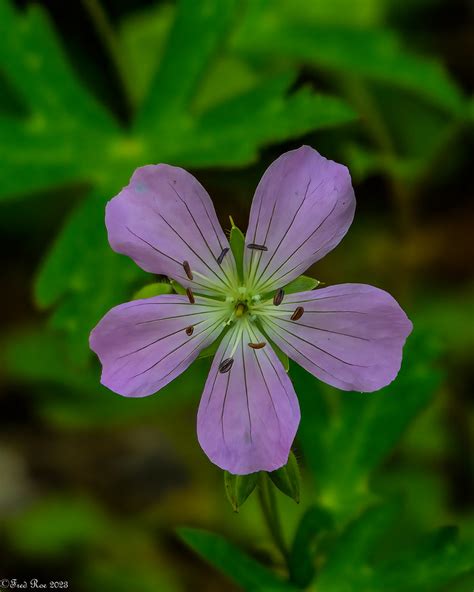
(350, 335)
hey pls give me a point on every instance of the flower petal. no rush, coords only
(143, 344)
(303, 206)
(165, 217)
(248, 416)
(350, 336)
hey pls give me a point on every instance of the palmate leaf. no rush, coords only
(68, 137)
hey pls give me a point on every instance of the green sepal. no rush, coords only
(282, 357)
(237, 246)
(155, 289)
(178, 288)
(287, 479)
(210, 350)
(303, 283)
(239, 487)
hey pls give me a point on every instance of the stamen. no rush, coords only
(226, 365)
(222, 255)
(187, 270)
(297, 314)
(256, 247)
(257, 345)
(278, 298)
(190, 295)
(189, 330)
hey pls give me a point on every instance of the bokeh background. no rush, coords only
(93, 487)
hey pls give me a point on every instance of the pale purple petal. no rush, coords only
(165, 217)
(303, 206)
(350, 336)
(247, 417)
(143, 344)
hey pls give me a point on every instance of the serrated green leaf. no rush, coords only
(233, 562)
(239, 487)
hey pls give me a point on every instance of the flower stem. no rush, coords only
(104, 28)
(266, 496)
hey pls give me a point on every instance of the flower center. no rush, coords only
(240, 309)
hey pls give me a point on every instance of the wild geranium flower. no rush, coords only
(349, 335)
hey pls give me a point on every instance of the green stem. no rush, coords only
(268, 504)
(106, 32)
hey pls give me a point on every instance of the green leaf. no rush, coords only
(303, 283)
(345, 435)
(85, 274)
(427, 565)
(430, 564)
(155, 289)
(288, 479)
(66, 132)
(231, 132)
(370, 53)
(237, 245)
(239, 487)
(241, 568)
(350, 555)
(183, 63)
(143, 37)
(314, 524)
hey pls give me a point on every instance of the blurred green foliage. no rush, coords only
(94, 485)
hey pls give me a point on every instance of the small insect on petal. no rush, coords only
(226, 365)
(189, 330)
(257, 345)
(190, 295)
(278, 298)
(187, 270)
(297, 314)
(222, 255)
(256, 247)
